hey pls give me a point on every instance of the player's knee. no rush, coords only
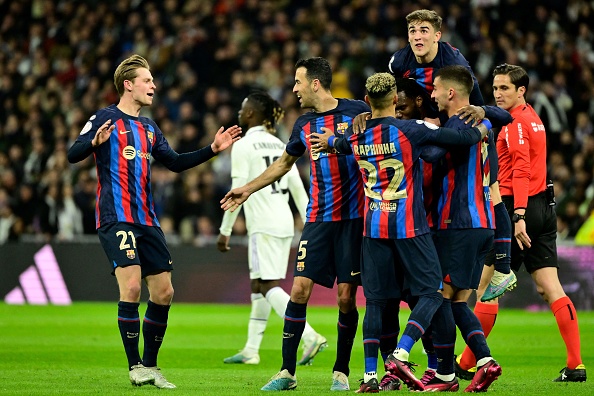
(346, 302)
(131, 292)
(167, 295)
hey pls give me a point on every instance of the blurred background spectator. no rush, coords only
(57, 59)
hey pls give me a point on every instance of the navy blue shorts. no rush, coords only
(541, 227)
(387, 264)
(135, 244)
(462, 254)
(330, 251)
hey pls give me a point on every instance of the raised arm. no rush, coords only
(275, 171)
(498, 116)
(176, 162)
(464, 137)
(81, 149)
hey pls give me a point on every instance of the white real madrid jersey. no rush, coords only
(267, 210)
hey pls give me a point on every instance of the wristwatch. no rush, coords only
(517, 217)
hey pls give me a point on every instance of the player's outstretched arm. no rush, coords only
(81, 150)
(275, 171)
(498, 116)
(226, 138)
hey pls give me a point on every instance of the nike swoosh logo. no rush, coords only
(123, 132)
(355, 273)
(170, 262)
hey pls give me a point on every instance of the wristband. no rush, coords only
(331, 140)
(487, 123)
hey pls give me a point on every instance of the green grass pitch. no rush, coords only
(76, 350)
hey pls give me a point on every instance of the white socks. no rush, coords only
(257, 324)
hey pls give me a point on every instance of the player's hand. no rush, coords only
(103, 133)
(472, 114)
(234, 198)
(521, 235)
(359, 122)
(319, 141)
(223, 243)
(224, 139)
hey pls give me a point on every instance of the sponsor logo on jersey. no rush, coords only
(130, 254)
(383, 206)
(123, 132)
(130, 152)
(300, 266)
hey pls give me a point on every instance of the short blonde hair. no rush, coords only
(381, 89)
(424, 16)
(127, 71)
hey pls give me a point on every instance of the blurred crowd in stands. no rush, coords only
(57, 60)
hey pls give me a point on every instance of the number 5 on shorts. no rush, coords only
(302, 250)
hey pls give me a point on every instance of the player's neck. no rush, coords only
(129, 106)
(381, 113)
(457, 104)
(325, 102)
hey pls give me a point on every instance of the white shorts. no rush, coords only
(268, 256)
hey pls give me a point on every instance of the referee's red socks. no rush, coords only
(486, 314)
(567, 322)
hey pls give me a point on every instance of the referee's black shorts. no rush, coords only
(541, 226)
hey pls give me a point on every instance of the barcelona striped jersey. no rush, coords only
(335, 191)
(388, 154)
(123, 166)
(465, 200)
(404, 64)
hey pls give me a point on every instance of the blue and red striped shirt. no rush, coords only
(335, 191)
(388, 154)
(465, 198)
(123, 166)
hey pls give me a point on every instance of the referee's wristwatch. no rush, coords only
(517, 217)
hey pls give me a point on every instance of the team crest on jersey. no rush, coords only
(341, 127)
(300, 266)
(130, 254)
(150, 136)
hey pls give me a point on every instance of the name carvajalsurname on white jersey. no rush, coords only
(269, 146)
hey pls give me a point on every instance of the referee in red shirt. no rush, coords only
(521, 148)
